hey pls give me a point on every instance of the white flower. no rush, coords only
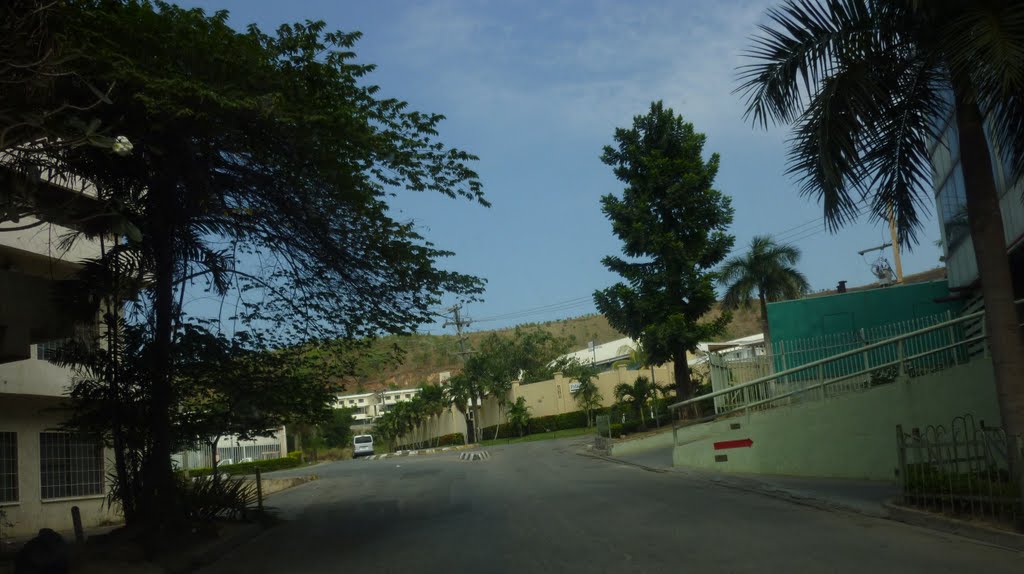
(122, 146)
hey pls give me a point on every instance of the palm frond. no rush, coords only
(797, 51)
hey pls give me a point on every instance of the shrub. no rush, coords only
(206, 498)
(296, 454)
(616, 430)
(451, 439)
(250, 467)
(570, 420)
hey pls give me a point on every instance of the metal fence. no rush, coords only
(963, 470)
(789, 355)
(926, 350)
(233, 453)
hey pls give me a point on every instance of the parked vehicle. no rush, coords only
(362, 445)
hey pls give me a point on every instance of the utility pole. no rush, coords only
(459, 321)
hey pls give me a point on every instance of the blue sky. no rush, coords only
(536, 89)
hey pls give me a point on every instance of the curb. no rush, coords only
(478, 455)
(818, 503)
(993, 536)
(622, 462)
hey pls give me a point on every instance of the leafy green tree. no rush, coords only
(866, 83)
(636, 395)
(673, 226)
(337, 429)
(767, 271)
(519, 416)
(587, 396)
(271, 145)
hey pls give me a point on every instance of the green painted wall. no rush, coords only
(818, 316)
(851, 436)
(806, 330)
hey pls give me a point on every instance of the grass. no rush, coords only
(565, 433)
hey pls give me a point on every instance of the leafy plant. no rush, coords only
(211, 497)
(518, 417)
(268, 465)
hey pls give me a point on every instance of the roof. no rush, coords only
(605, 352)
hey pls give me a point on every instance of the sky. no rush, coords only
(536, 88)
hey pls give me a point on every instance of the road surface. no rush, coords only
(540, 507)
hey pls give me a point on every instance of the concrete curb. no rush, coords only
(478, 455)
(992, 536)
(789, 496)
(622, 462)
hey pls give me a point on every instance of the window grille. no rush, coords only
(8, 467)
(70, 465)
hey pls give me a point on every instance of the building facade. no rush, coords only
(44, 471)
(951, 206)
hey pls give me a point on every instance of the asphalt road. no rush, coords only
(539, 507)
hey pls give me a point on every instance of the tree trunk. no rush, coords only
(497, 427)
(159, 508)
(987, 234)
(768, 351)
(681, 371)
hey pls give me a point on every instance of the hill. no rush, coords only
(425, 356)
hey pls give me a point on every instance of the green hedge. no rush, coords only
(249, 467)
(453, 439)
(572, 420)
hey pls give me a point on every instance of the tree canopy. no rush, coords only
(674, 229)
(262, 167)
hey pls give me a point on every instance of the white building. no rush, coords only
(367, 407)
(605, 354)
(951, 204)
(43, 471)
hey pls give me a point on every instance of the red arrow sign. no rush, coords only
(746, 442)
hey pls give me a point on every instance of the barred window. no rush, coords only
(8, 467)
(70, 465)
(50, 350)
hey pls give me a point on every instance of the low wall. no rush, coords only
(852, 436)
(652, 442)
(272, 485)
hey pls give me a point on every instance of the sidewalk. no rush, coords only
(861, 496)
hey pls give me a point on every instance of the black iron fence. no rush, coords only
(963, 471)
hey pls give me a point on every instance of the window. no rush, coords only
(48, 350)
(8, 467)
(953, 207)
(70, 465)
(361, 401)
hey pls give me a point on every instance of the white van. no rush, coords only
(362, 445)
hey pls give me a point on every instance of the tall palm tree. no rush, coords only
(864, 82)
(519, 415)
(766, 272)
(636, 394)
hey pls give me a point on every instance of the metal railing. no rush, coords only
(964, 471)
(907, 355)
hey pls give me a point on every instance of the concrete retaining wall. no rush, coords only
(852, 436)
(660, 440)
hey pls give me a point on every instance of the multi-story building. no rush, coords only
(44, 471)
(951, 202)
(367, 407)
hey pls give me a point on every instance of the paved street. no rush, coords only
(538, 507)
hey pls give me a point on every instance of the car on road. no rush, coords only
(362, 445)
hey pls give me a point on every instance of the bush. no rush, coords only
(453, 439)
(571, 420)
(205, 498)
(250, 467)
(616, 430)
(296, 454)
